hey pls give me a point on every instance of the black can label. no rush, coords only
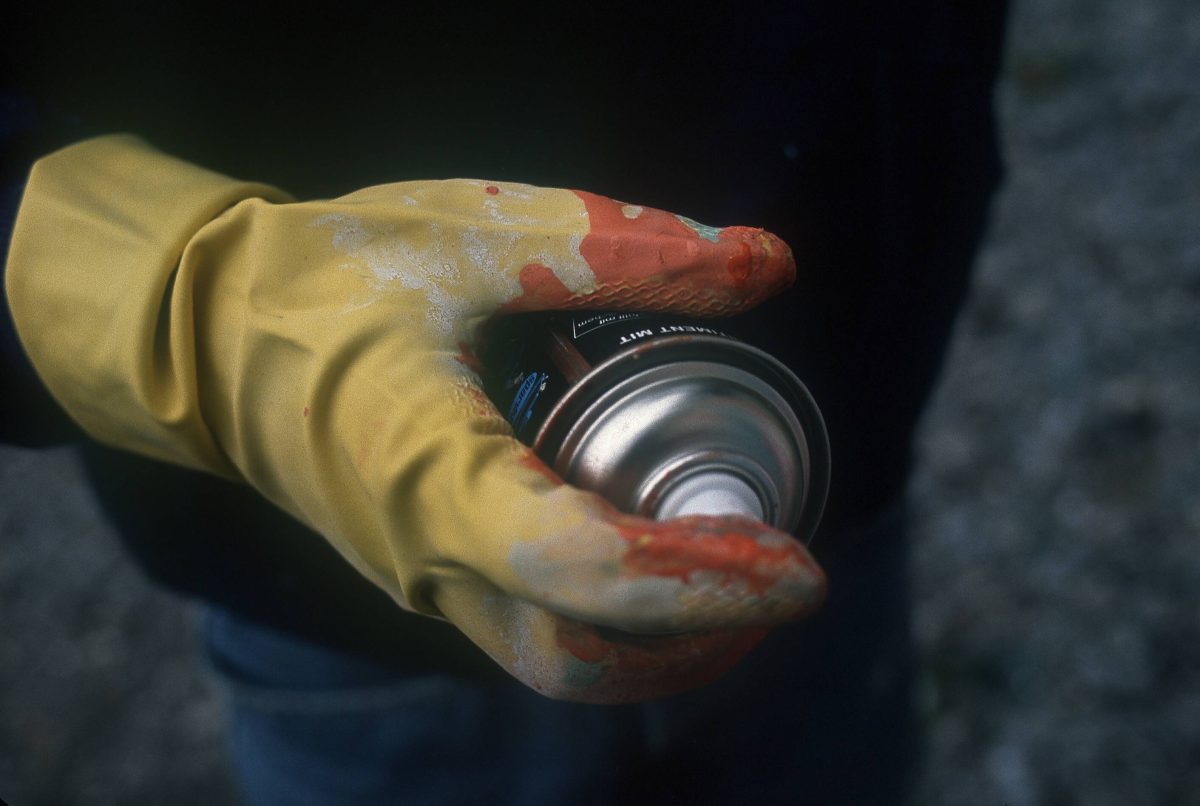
(533, 360)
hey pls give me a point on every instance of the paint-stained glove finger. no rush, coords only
(571, 660)
(652, 260)
(569, 551)
(507, 247)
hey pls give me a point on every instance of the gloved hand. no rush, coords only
(321, 352)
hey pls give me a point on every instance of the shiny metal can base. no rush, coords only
(664, 416)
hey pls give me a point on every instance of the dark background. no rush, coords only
(1056, 509)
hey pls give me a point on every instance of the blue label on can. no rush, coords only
(527, 394)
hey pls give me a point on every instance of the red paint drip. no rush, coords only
(752, 246)
(491, 190)
(466, 356)
(306, 411)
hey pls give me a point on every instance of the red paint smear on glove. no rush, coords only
(728, 546)
(657, 262)
(542, 291)
(744, 267)
(636, 668)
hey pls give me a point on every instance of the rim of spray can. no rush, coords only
(664, 416)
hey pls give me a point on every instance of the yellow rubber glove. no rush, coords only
(321, 352)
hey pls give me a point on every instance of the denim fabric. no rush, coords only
(310, 725)
(818, 714)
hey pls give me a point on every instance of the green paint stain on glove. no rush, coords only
(579, 675)
(703, 230)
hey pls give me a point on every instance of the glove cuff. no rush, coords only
(99, 236)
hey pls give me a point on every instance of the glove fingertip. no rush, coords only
(650, 259)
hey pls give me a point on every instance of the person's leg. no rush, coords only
(310, 725)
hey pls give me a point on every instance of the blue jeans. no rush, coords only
(818, 714)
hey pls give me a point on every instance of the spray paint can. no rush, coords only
(662, 415)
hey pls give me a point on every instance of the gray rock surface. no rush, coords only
(1056, 512)
(103, 697)
(1057, 507)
